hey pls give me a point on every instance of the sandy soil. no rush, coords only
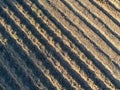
(59, 44)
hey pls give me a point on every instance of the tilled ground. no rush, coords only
(59, 44)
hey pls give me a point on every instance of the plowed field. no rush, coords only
(59, 44)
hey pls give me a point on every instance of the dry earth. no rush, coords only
(59, 44)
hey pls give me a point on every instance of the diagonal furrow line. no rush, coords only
(115, 4)
(94, 29)
(105, 12)
(101, 20)
(37, 52)
(59, 25)
(20, 66)
(27, 60)
(45, 44)
(59, 33)
(111, 54)
(26, 31)
(49, 31)
(109, 9)
(59, 45)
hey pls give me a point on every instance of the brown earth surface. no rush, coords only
(59, 44)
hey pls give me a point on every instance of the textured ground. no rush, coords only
(60, 44)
